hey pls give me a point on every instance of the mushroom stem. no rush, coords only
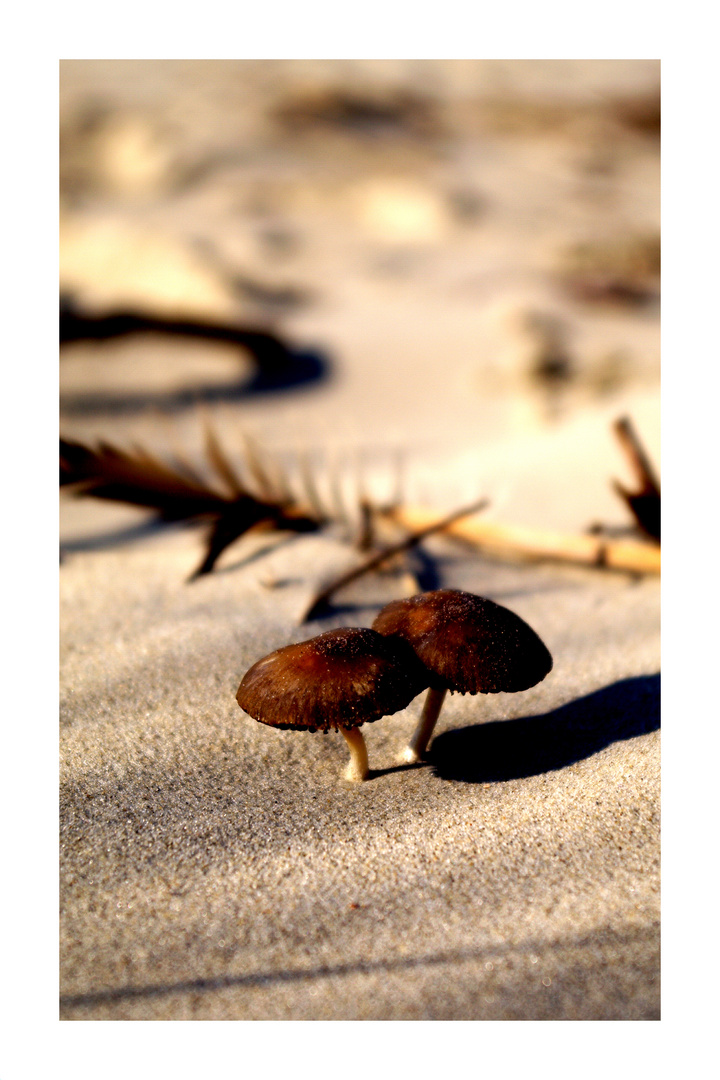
(415, 749)
(357, 768)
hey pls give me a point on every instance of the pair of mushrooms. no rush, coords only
(442, 640)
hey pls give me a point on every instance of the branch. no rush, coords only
(375, 560)
(540, 544)
(644, 503)
(177, 494)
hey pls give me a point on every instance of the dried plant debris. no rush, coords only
(362, 112)
(383, 555)
(231, 504)
(624, 271)
(262, 498)
(594, 548)
(276, 365)
(639, 112)
(622, 117)
(527, 544)
(644, 503)
(271, 354)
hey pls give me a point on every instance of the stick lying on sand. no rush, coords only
(178, 493)
(538, 544)
(373, 561)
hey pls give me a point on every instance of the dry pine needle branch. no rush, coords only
(263, 499)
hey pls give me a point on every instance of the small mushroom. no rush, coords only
(468, 644)
(340, 679)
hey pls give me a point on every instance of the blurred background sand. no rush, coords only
(468, 250)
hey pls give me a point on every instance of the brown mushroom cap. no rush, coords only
(340, 679)
(467, 643)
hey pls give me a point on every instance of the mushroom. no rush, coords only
(340, 679)
(468, 644)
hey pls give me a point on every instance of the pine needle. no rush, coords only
(136, 477)
(177, 493)
(258, 470)
(220, 461)
(309, 488)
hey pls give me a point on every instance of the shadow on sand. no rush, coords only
(513, 749)
(278, 366)
(623, 939)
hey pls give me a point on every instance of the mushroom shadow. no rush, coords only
(532, 745)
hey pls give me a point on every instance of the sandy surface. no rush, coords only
(212, 868)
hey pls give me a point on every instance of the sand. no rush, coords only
(215, 869)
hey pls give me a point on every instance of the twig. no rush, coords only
(636, 455)
(379, 557)
(177, 493)
(644, 504)
(270, 353)
(539, 544)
